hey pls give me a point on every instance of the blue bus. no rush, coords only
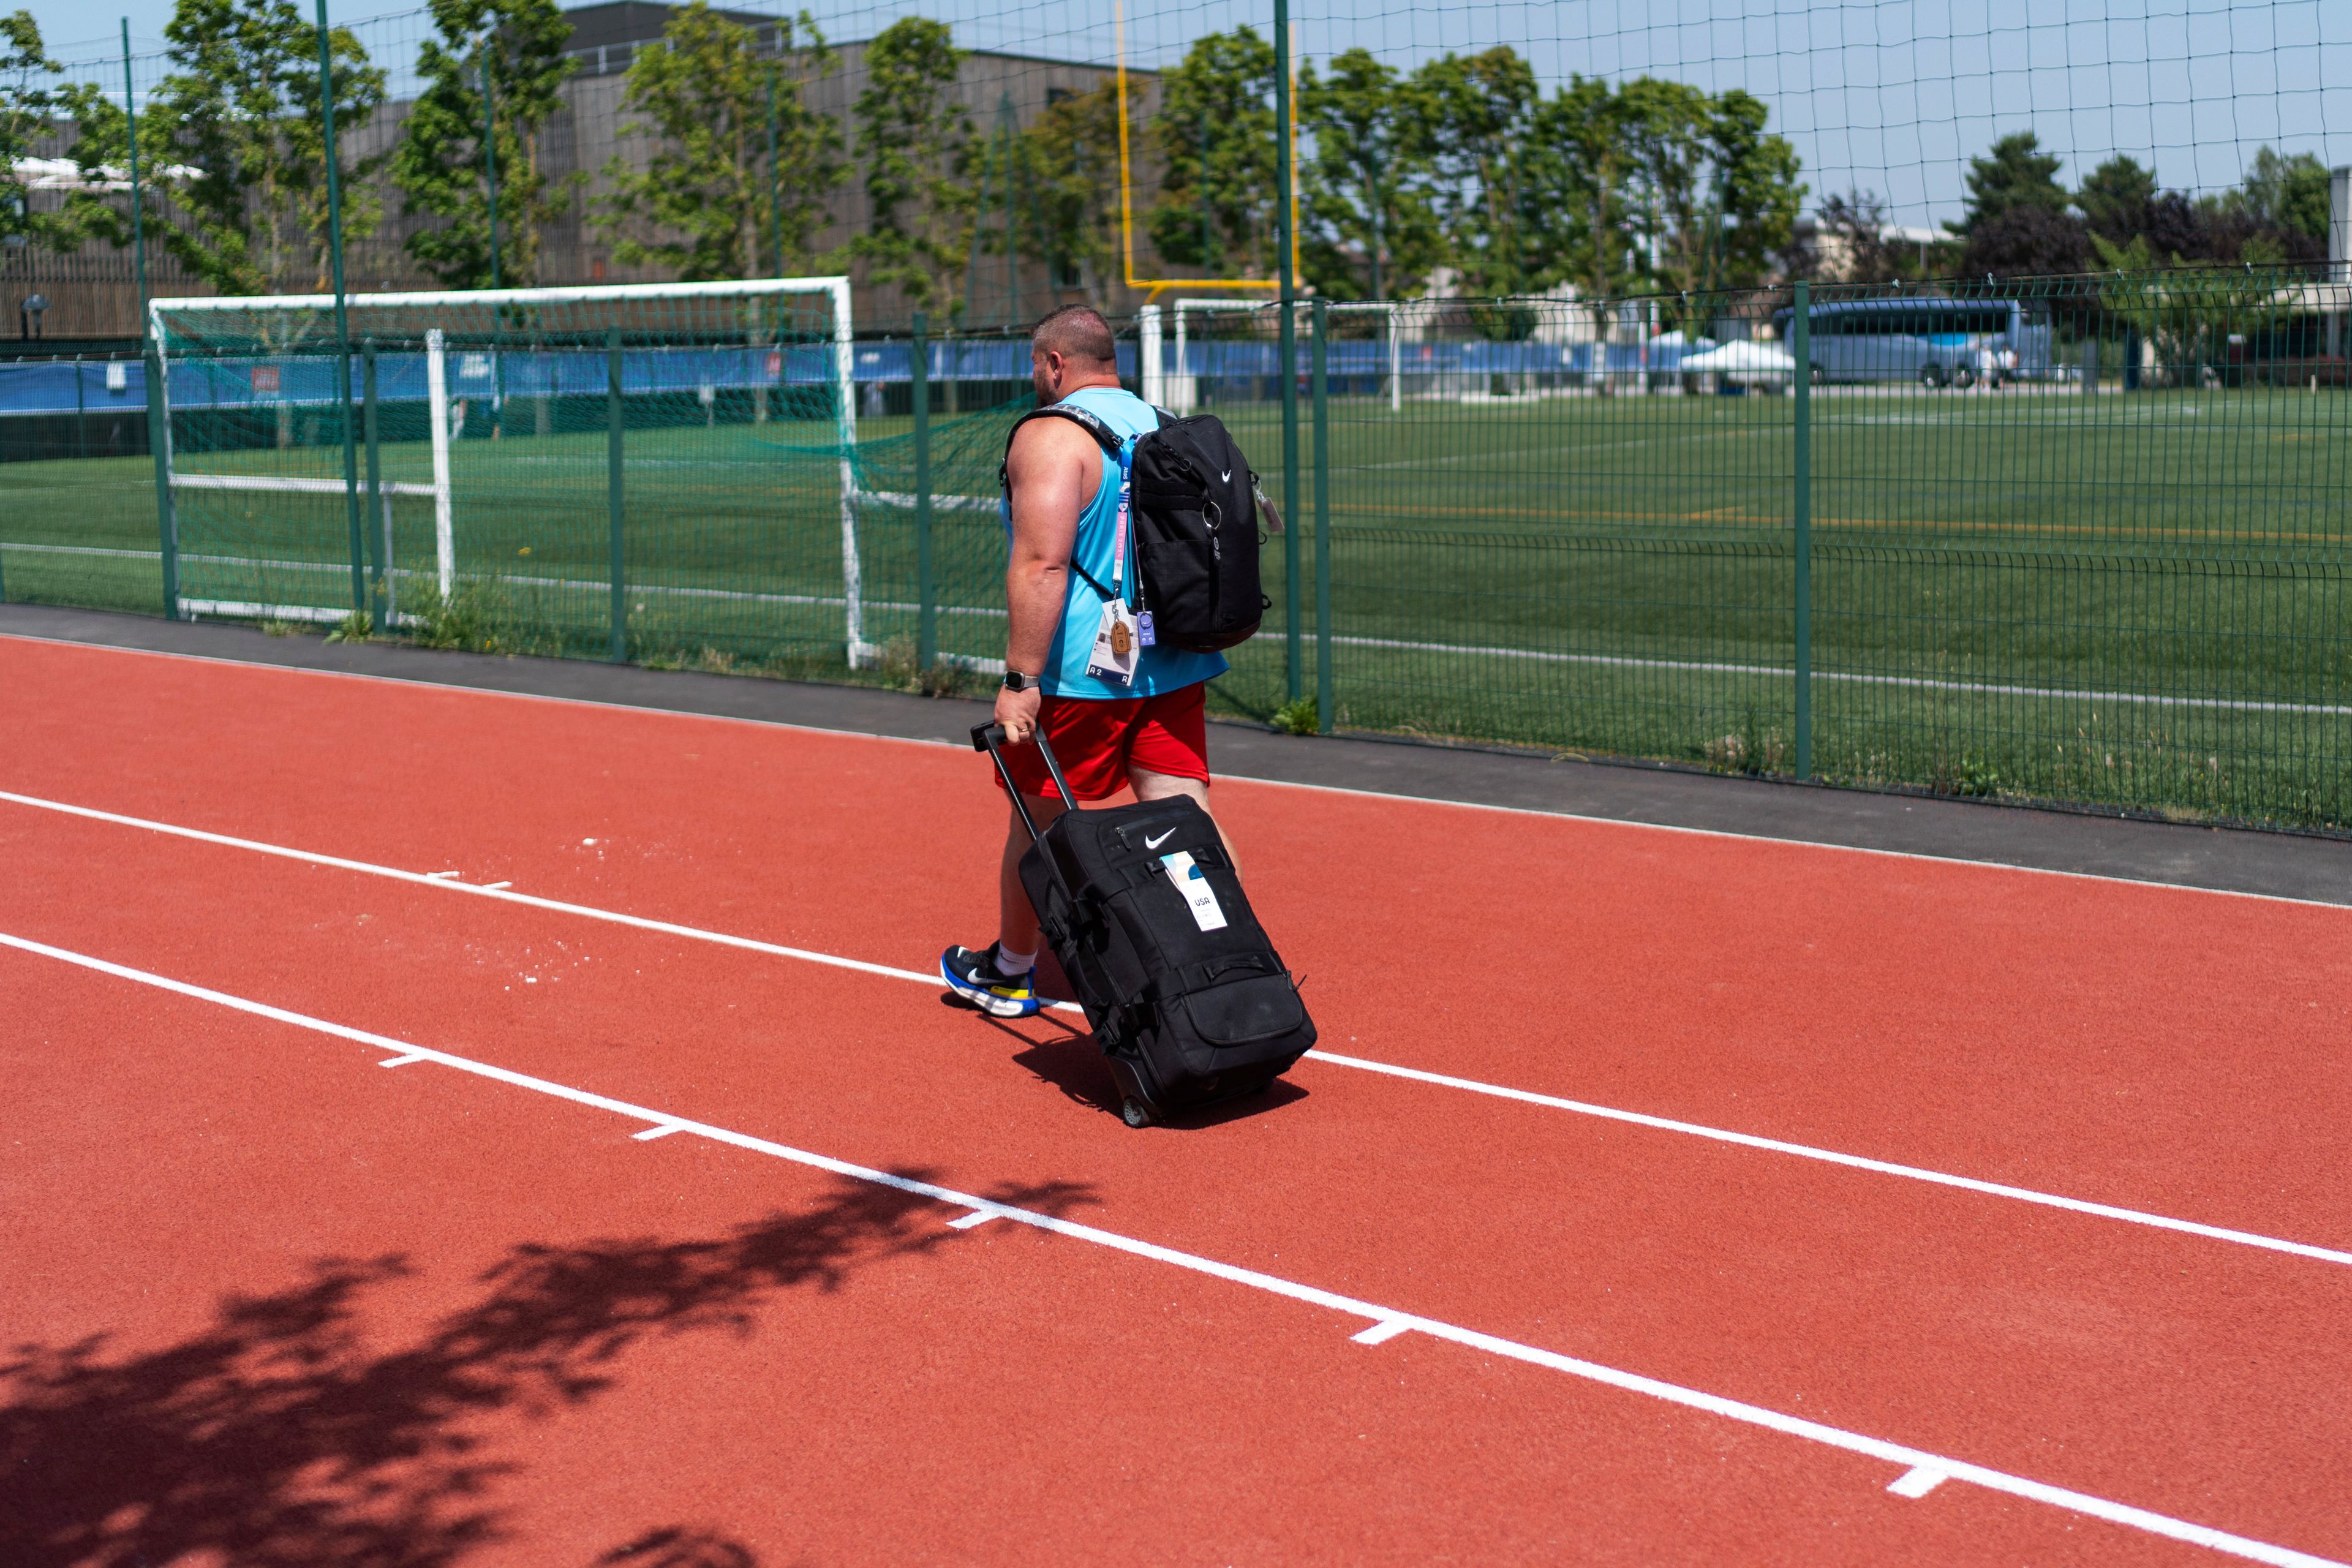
(1937, 343)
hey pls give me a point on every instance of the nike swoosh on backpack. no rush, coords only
(1226, 477)
(1155, 842)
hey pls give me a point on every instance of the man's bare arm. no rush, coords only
(1054, 470)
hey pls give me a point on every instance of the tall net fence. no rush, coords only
(2048, 504)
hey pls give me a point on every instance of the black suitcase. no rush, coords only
(1186, 996)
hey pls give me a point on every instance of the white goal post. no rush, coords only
(436, 311)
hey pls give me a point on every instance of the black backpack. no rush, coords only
(1192, 497)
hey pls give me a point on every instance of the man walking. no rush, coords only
(1117, 710)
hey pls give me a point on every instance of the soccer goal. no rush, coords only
(637, 466)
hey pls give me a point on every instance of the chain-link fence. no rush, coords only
(2079, 539)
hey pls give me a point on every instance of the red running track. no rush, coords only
(1048, 1399)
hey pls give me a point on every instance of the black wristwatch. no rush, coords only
(1016, 681)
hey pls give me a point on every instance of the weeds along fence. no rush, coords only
(2081, 540)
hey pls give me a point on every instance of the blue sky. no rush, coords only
(1892, 96)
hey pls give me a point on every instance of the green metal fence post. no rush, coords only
(1800, 348)
(342, 324)
(1321, 370)
(379, 528)
(159, 419)
(614, 558)
(159, 443)
(927, 626)
(491, 151)
(1293, 683)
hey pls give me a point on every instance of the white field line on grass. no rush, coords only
(1473, 1086)
(1780, 672)
(1463, 650)
(1384, 1322)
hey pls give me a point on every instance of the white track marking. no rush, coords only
(1852, 1162)
(401, 1061)
(1911, 1459)
(1917, 1482)
(977, 1216)
(494, 887)
(1417, 1075)
(1382, 1333)
(662, 1131)
(1235, 778)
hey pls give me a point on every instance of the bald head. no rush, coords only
(1077, 332)
(1071, 349)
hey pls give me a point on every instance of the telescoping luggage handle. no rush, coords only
(989, 738)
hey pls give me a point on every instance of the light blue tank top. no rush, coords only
(1157, 668)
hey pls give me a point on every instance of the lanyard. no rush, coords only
(1118, 538)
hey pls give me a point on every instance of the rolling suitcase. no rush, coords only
(1187, 997)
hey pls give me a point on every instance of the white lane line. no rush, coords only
(1361, 1064)
(1382, 1333)
(1917, 1483)
(661, 1131)
(977, 1216)
(493, 887)
(1851, 1162)
(1946, 860)
(402, 1061)
(1910, 1459)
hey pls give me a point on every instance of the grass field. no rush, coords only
(2135, 601)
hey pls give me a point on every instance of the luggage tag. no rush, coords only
(1119, 641)
(1199, 897)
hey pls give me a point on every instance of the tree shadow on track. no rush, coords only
(286, 1436)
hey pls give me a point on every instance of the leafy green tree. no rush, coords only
(1581, 185)
(28, 106)
(2114, 199)
(916, 140)
(240, 109)
(1215, 136)
(1071, 155)
(2285, 194)
(2015, 174)
(700, 204)
(1476, 124)
(438, 164)
(1365, 192)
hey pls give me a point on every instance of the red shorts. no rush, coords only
(1097, 741)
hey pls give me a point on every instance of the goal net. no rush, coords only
(632, 469)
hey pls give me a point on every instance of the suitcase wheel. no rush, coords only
(1135, 1114)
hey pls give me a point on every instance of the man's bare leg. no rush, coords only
(1016, 923)
(1149, 785)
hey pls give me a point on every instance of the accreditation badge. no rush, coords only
(1117, 645)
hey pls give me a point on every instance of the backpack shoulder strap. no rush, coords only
(1105, 437)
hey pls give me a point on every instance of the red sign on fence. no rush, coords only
(264, 378)
(775, 363)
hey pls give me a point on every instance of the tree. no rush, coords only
(438, 164)
(1369, 230)
(2114, 199)
(2289, 195)
(2027, 240)
(28, 106)
(700, 205)
(1070, 150)
(241, 106)
(1476, 128)
(916, 141)
(1852, 245)
(1216, 136)
(1581, 185)
(2015, 174)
